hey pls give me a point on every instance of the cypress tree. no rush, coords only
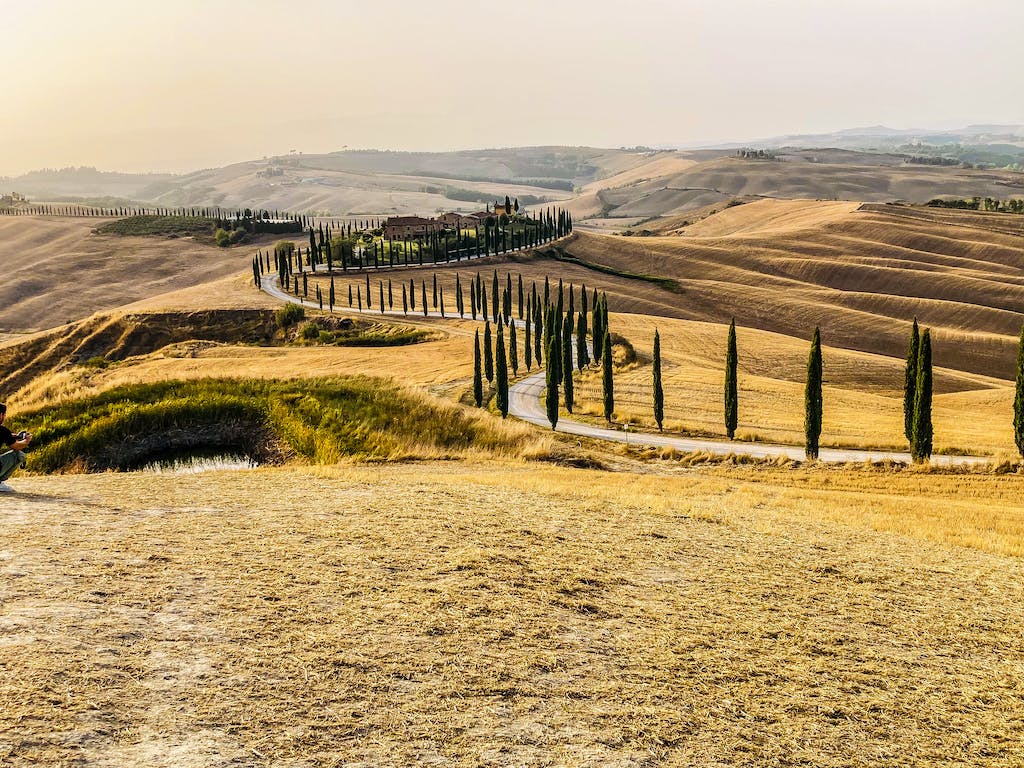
(391, 300)
(508, 296)
(460, 304)
(501, 372)
(488, 352)
(527, 342)
(405, 301)
(423, 295)
(369, 304)
(349, 294)
(520, 295)
(513, 349)
(495, 307)
(330, 299)
(359, 298)
(598, 333)
(606, 378)
(921, 444)
(659, 393)
(320, 298)
(442, 303)
(472, 298)
(551, 381)
(412, 295)
(1018, 398)
(581, 341)
(380, 287)
(478, 382)
(481, 297)
(567, 390)
(538, 332)
(812, 398)
(731, 394)
(910, 382)
(435, 290)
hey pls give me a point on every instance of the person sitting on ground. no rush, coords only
(14, 458)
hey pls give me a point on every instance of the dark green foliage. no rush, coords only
(1018, 398)
(349, 293)
(330, 295)
(659, 393)
(289, 315)
(478, 382)
(423, 296)
(501, 373)
(513, 349)
(538, 331)
(460, 305)
(369, 303)
(921, 441)
(391, 298)
(380, 287)
(495, 306)
(520, 295)
(405, 301)
(412, 295)
(435, 291)
(607, 384)
(552, 380)
(162, 226)
(488, 352)
(581, 341)
(731, 393)
(910, 382)
(813, 399)
(598, 329)
(527, 341)
(567, 350)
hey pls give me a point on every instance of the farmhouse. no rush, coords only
(453, 220)
(397, 227)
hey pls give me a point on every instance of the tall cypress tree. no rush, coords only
(538, 332)
(391, 298)
(527, 342)
(435, 290)
(369, 303)
(495, 306)
(598, 331)
(513, 349)
(412, 294)
(567, 350)
(731, 394)
(910, 382)
(1018, 398)
(812, 398)
(478, 382)
(552, 381)
(508, 296)
(581, 340)
(423, 288)
(405, 301)
(606, 378)
(520, 295)
(381, 296)
(921, 443)
(501, 372)
(460, 304)
(488, 352)
(330, 300)
(472, 298)
(659, 393)
(350, 300)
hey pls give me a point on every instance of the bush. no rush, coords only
(289, 315)
(310, 331)
(222, 238)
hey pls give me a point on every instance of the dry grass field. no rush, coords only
(508, 615)
(507, 612)
(56, 271)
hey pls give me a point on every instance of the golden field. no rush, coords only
(509, 614)
(502, 611)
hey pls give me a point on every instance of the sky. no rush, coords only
(178, 85)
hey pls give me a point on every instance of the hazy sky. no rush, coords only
(182, 84)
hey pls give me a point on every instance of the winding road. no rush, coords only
(525, 404)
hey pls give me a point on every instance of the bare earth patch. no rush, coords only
(494, 614)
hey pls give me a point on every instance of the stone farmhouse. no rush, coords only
(399, 227)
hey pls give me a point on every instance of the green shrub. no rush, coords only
(222, 237)
(289, 315)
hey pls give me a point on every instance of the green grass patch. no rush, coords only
(165, 226)
(666, 283)
(320, 420)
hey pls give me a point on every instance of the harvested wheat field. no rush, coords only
(503, 615)
(58, 271)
